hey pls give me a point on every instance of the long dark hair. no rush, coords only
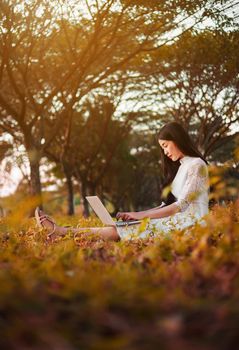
(175, 132)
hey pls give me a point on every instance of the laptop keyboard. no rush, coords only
(127, 223)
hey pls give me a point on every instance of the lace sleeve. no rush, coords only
(196, 184)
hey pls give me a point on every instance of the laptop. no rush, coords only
(105, 216)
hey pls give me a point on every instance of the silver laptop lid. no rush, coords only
(100, 210)
(104, 215)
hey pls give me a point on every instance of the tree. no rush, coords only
(197, 87)
(5, 166)
(55, 53)
(95, 143)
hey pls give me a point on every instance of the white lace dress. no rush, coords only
(190, 187)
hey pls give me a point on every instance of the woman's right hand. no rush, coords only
(120, 215)
(125, 216)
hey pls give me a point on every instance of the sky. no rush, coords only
(10, 181)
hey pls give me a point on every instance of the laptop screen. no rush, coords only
(100, 210)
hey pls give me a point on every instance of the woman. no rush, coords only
(184, 168)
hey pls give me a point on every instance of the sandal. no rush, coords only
(40, 218)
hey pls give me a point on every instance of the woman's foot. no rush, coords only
(44, 221)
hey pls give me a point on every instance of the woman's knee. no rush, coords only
(112, 234)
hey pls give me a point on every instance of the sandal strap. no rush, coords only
(46, 217)
(52, 232)
(43, 218)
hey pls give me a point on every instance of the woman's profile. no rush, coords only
(184, 169)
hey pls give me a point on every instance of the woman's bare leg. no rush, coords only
(108, 233)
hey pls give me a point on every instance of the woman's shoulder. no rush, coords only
(194, 163)
(198, 166)
(198, 160)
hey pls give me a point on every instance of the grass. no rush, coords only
(175, 292)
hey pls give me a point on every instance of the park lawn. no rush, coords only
(171, 292)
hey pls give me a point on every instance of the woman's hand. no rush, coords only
(129, 216)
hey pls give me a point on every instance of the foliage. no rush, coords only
(55, 53)
(167, 292)
(198, 87)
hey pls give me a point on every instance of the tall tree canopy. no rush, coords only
(54, 53)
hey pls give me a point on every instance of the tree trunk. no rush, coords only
(35, 179)
(70, 193)
(86, 212)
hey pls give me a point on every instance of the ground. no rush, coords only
(175, 292)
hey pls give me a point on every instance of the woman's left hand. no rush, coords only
(129, 216)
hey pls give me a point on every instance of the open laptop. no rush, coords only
(104, 215)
